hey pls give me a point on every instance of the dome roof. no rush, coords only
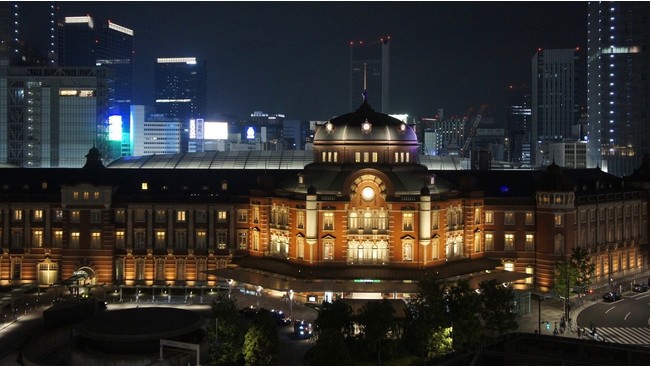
(365, 125)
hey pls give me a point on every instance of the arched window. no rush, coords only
(328, 250)
(367, 220)
(353, 222)
(407, 252)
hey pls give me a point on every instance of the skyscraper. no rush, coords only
(555, 104)
(85, 43)
(370, 72)
(618, 91)
(28, 35)
(50, 116)
(519, 124)
(180, 90)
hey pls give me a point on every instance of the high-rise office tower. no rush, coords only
(28, 35)
(519, 119)
(49, 117)
(370, 73)
(618, 91)
(85, 43)
(555, 104)
(180, 90)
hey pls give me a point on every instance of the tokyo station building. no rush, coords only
(362, 219)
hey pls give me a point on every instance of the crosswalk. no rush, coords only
(626, 335)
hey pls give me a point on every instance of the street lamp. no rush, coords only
(230, 282)
(258, 294)
(291, 305)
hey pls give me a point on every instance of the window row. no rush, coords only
(509, 240)
(509, 217)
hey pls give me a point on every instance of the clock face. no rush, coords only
(367, 194)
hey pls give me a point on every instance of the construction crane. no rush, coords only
(472, 130)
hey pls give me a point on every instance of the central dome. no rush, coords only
(367, 126)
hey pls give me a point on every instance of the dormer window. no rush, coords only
(329, 127)
(366, 127)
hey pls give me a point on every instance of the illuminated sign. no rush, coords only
(115, 128)
(119, 28)
(215, 131)
(76, 93)
(177, 60)
(250, 133)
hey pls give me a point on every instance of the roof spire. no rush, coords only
(364, 95)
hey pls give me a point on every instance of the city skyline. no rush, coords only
(293, 57)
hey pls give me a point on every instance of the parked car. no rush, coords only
(280, 317)
(302, 329)
(640, 287)
(612, 296)
(249, 311)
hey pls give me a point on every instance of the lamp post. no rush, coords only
(291, 305)
(258, 294)
(230, 281)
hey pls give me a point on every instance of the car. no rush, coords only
(302, 329)
(249, 311)
(640, 287)
(280, 317)
(612, 296)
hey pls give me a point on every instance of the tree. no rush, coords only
(336, 315)
(261, 342)
(427, 329)
(496, 307)
(465, 309)
(329, 349)
(377, 322)
(225, 348)
(585, 269)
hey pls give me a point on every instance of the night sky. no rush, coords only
(293, 57)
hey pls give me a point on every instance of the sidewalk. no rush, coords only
(552, 311)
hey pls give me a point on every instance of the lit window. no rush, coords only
(74, 216)
(529, 271)
(489, 242)
(201, 240)
(242, 215)
(120, 215)
(145, 186)
(119, 239)
(509, 242)
(221, 239)
(328, 221)
(408, 251)
(489, 217)
(242, 239)
(530, 242)
(57, 238)
(509, 266)
(18, 215)
(407, 221)
(74, 240)
(38, 215)
(222, 215)
(160, 240)
(96, 196)
(300, 220)
(181, 215)
(58, 215)
(509, 218)
(75, 195)
(530, 218)
(37, 238)
(86, 196)
(559, 220)
(95, 240)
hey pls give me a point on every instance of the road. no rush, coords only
(626, 321)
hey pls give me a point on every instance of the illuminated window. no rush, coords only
(509, 242)
(300, 247)
(18, 215)
(435, 220)
(242, 239)
(75, 216)
(366, 157)
(95, 240)
(328, 249)
(120, 215)
(530, 218)
(435, 247)
(95, 196)
(477, 216)
(181, 216)
(58, 215)
(145, 186)
(74, 240)
(357, 157)
(256, 240)
(509, 266)
(86, 196)
(530, 242)
(328, 221)
(201, 240)
(57, 238)
(221, 239)
(509, 218)
(37, 238)
(75, 195)
(119, 239)
(160, 240)
(374, 157)
(489, 242)
(300, 220)
(222, 215)
(256, 214)
(38, 215)
(353, 221)
(559, 219)
(489, 217)
(477, 242)
(407, 251)
(407, 221)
